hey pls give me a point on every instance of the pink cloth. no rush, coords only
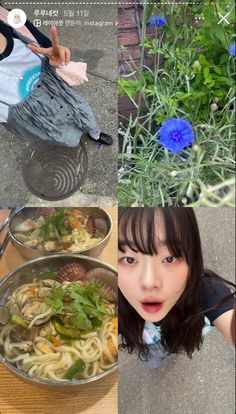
(74, 73)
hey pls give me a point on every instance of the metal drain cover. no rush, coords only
(54, 173)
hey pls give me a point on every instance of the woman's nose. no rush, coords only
(151, 274)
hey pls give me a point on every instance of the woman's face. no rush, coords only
(152, 284)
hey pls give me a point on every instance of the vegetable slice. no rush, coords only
(69, 332)
(77, 367)
(19, 321)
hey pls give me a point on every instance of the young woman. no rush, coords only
(36, 103)
(167, 300)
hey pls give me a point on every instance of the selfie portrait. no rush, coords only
(176, 310)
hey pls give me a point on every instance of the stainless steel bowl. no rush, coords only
(38, 268)
(32, 212)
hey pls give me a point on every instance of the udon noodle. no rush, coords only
(41, 339)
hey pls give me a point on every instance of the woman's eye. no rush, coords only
(127, 260)
(169, 259)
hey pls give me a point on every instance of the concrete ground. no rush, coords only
(205, 384)
(98, 47)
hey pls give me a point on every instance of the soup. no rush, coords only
(62, 230)
(63, 328)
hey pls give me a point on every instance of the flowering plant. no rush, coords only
(157, 21)
(182, 140)
(176, 134)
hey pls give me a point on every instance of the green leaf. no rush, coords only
(56, 302)
(55, 225)
(218, 30)
(202, 59)
(80, 320)
(217, 70)
(209, 16)
(224, 58)
(206, 72)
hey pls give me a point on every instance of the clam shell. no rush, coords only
(101, 226)
(4, 315)
(46, 212)
(107, 280)
(18, 333)
(96, 226)
(71, 272)
(25, 226)
(90, 226)
(34, 308)
(44, 292)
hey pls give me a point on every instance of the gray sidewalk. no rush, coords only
(98, 47)
(206, 383)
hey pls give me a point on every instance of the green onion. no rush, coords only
(77, 367)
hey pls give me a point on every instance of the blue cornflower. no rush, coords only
(232, 49)
(157, 21)
(176, 134)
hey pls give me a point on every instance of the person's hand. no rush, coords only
(58, 55)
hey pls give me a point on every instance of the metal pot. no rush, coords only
(37, 268)
(31, 212)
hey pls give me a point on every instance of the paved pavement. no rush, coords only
(205, 384)
(98, 47)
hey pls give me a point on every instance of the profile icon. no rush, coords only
(16, 18)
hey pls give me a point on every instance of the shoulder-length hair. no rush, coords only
(181, 329)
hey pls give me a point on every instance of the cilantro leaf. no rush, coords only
(56, 302)
(55, 225)
(80, 320)
(85, 309)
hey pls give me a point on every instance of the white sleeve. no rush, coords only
(3, 112)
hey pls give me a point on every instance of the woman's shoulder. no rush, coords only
(217, 295)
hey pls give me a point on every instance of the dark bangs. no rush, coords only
(139, 229)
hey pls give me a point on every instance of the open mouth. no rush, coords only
(151, 307)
